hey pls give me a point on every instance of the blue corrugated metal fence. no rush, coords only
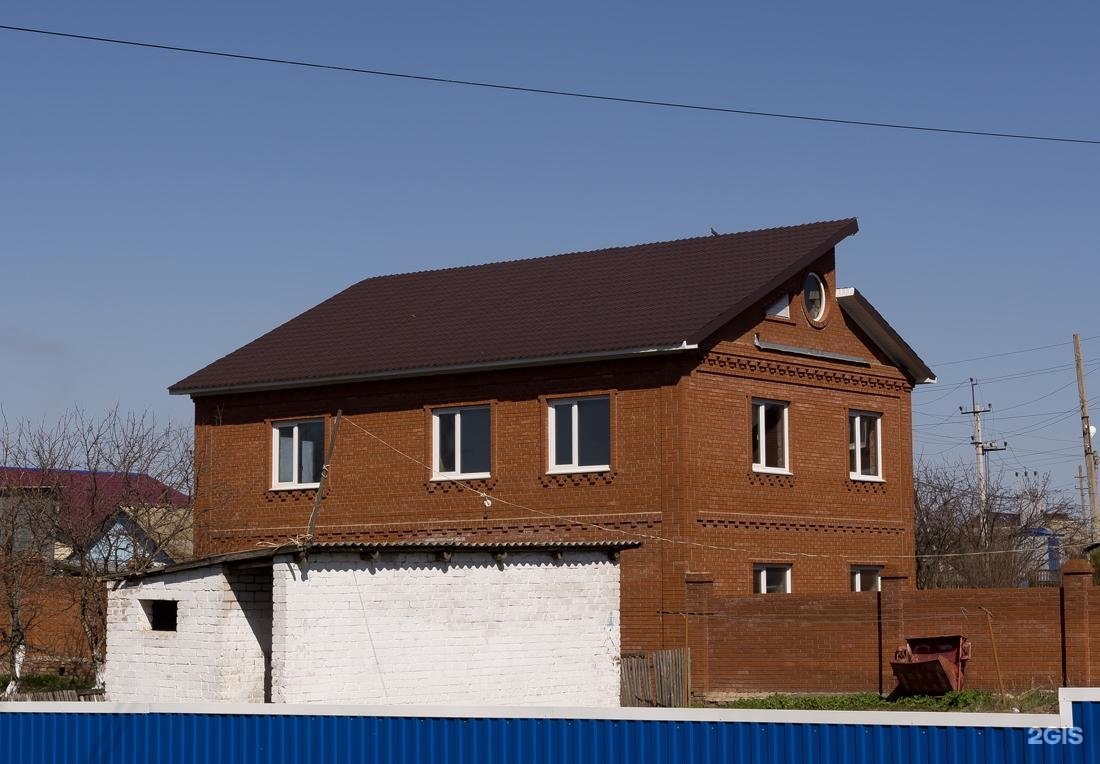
(90, 733)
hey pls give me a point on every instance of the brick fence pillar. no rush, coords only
(1076, 651)
(697, 612)
(891, 622)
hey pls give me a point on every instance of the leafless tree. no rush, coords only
(110, 491)
(1005, 542)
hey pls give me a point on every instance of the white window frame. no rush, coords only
(824, 297)
(275, 426)
(856, 575)
(758, 415)
(438, 474)
(760, 577)
(781, 308)
(565, 469)
(858, 475)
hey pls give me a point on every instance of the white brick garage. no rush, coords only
(460, 624)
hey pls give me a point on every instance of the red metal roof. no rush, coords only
(86, 499)
(607, 301)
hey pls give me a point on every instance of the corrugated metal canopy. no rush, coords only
(268, 553)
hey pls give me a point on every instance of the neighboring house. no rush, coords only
(719, 398)
(124, 520)
(437, 623)
(144, 536)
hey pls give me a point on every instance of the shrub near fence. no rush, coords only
(1044, 637)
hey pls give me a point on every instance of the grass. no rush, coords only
(48, 683)
(1032, 701)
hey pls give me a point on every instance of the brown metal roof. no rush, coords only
(607, 302)
(268, 553)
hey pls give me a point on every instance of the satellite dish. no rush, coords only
(1092, 431)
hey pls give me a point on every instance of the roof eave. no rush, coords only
(431, 371)
(406, 547)
(867, 318)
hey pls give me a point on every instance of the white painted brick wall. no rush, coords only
(215, 654)
(409, 629)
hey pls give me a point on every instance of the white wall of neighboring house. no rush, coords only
(217, 652)
(412, 629)
(405, 628)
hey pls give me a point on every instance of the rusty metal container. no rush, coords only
(931, 665)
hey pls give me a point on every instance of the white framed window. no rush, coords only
(866, 578)
(864, 446)
(580, 434)
(298, 453)
(771, 579)
(461, 442)
(813, 296)
(769, 437)
(781, 308)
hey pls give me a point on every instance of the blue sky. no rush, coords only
(161, 209)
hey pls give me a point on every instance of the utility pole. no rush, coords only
(1086, 434)
(981, 448)
(1081, 490)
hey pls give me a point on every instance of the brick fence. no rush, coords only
(1041, 637)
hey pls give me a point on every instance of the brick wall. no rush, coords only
(681, 465)
(1042, 638)
(215, 654)
(55, 641)
(411, 629)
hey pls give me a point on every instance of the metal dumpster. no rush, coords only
(931, 665)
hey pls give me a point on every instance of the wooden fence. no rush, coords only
(56, 695)
(661, 678)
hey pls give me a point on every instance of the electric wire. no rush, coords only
(549, 91)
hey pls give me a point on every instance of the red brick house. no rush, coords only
(718, 398)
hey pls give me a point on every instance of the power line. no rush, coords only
(549, 91)
(1001, 355)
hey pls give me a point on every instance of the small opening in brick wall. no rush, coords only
(161, 614)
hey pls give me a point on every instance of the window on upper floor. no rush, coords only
(461, 439)
(864, 446)
(769, 436)
(813, 296)
(580, 434)
(781, 308)
(866, 578)
(771, 579)
(298, 453)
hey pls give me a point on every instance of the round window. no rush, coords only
(813, 296)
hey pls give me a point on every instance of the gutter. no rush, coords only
(431, 371)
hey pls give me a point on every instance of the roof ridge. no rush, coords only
(705, 237)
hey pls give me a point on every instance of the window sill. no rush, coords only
(771, 470)
(451, 478)
(865, 478)
(301, 487)
(577, 470)
(780, 319)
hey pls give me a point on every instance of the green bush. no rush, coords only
(1034, 701)
(48, 683)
